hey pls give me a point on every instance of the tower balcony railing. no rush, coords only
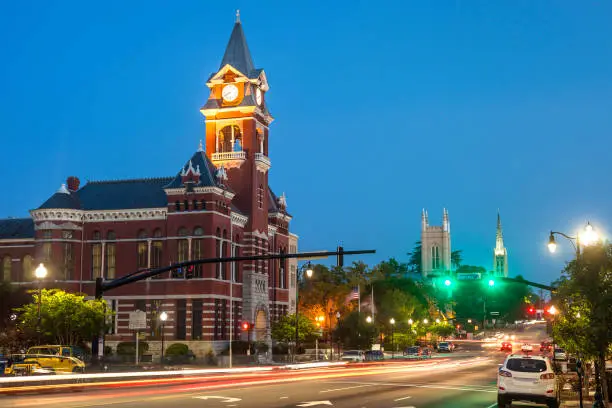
(241, 155)
(260, 157)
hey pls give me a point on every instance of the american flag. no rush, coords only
(353, 295)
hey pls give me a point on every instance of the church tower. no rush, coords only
(435, 246)
(500, 254)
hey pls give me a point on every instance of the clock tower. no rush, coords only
(237, 122)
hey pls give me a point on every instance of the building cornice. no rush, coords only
(280, 216)
(16, 240)
(239, 219)
(272, 230)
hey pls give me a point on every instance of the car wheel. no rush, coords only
(502, 402)
(553, 403)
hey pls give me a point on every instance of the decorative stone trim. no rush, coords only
(239, 219)
(47, 225)
(126, 215)
(272, 230)
(57, 214)
(262, 162)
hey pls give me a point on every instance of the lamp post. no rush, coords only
(337, 324)
(392, 321)
(163, 317)
(306, 268)
(587, 237)
(40, 273)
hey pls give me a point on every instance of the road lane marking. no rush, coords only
(225, 399)
(493, 405)
(346, 388)
(283, 397)
(482, 389)
(403, 398)
(314, 403)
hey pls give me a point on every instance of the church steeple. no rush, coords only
(500, 254)
(237, 52)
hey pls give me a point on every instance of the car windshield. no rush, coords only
(443, 344)
(526, 365)
(558, 350)
(350, 353)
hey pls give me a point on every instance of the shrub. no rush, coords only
(108, 351)
(238, 347)
(261, 347)
(280, 349)
(177, 349)
(128, 348)
(211, 358)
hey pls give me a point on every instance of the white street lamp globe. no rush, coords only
(589, 236)
(309, 272)
(392, 321)
(163, 316)
(425, 321)
(410, 321)
(41, 272)
(437, 320)
(369, 319)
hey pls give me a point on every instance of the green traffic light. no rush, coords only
(447, 282)
(491, 282)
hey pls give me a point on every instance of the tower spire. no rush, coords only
(499, 236)
(237, 52)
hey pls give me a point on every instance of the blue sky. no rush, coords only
(382, 108)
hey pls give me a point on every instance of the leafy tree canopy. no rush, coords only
(66, 318)
(284, 329)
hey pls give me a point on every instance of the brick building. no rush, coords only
(219, 204)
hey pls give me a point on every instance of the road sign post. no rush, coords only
(138, 321)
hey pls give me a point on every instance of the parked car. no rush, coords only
(527, 378)
(445, 347)
(417, 352)
(545, 346)
(528, 348)
(374, 355)
(559, 354)
(353, 356)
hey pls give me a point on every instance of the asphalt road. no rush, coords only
(466, 379)
(455, 382)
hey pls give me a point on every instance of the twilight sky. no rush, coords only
(382, 108)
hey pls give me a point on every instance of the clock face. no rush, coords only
(229, 93)
(258, 96)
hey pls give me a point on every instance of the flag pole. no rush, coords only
(358, 299)
(373, 312)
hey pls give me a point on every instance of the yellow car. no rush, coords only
(59, 359)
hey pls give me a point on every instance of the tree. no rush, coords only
(284, 329)
(11, 297)
(354, 332)
(414, 261)
(456, 258)
(584, 300)
(65, 318)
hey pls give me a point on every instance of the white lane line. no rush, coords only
(346, 388)
(459, 388)
(283, 397)
(403, 398)
(493, 405)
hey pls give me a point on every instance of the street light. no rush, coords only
(410, 321)
(369, 319)
(491, 282)
(437, 320)
(163, 317)
(425, 321)
(40, 273)
(392, 321)
(587, 237)
(306, 268)
(447, 282)
(552, 310)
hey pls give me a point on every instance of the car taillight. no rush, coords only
(548, 376)
(505, 373)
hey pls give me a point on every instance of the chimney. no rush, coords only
(73, 183)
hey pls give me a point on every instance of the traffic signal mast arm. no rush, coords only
(102, 286)
(529, 283)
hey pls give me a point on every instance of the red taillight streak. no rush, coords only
(502, 388)
(550, 391)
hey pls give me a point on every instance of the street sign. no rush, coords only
(138, 320)
(494, 313)
(468, 276)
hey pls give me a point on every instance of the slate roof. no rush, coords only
(16, 228)
(63, 200)
(207, 169)
(237, 53)
(272, 201)
(124, 194)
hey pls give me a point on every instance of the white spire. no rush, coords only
(238, 15)
(445, 221)
(200, 147)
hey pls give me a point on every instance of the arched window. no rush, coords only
(6, 268)
(260, 196)
(26, 268)
(157, 251)
(143, 250)
(236, 269)
(182, 251)
(225, 253)
(186, 204)
(229, 136)
(196, 250)
(435, 257)
(218, 252)
(111, 251)
(96, 235)
(177, 206)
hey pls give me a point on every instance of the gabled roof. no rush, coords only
(200, 162)
(237, 53)
(272, 201)
(16, 228)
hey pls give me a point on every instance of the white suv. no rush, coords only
(527, 378)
